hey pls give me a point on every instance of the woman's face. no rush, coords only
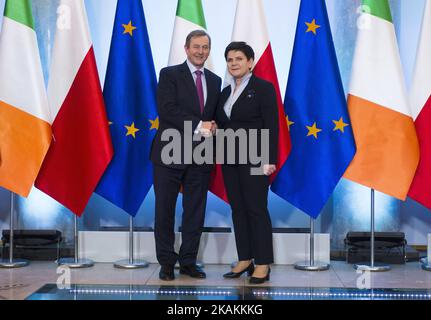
(237, 64)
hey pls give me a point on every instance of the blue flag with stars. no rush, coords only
(130, 98)
(317, 116)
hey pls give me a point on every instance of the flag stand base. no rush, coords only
(131, 263)
(316, 266)
(127, 264)
(11, 262)
(311, 265)
(15, 263)
(425, 265)
(75, 263)
(373, 268)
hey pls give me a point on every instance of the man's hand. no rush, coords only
(206, 129)
(269, 169)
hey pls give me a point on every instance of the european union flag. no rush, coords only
(319, 124)
(130, 97)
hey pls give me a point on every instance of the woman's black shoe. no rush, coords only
(254, 280)
(232, 275)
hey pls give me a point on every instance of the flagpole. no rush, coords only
(75, 262)
(131, 263)
(311, 265)
(11, 262)
(372, 267)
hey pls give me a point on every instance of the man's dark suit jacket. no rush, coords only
(256, 108)
(177, 101)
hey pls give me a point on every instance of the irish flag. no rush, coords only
(189, 17)
(25, 131)
(81, 148)
(250, 26)
(387, 147)
(420, 102)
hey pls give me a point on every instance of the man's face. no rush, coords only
(198, 51)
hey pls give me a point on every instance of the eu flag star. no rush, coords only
(128, 28)
(289, 123)
(312, 26)
(154, 124)
(313, 130)
(131, 130)
(339, 125)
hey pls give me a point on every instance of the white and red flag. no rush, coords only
(250, 26)
(420, 103)
(81, 148)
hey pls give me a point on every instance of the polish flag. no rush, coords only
(250, 26)
(81, 148)
(420, 103)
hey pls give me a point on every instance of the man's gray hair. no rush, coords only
(196, 34)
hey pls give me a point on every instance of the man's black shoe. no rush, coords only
(167, 273)
(193, 271)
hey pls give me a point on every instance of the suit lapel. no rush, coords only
(244, 94)
(211, 90)
(223, 98)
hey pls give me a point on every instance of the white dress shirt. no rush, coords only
(235, 92)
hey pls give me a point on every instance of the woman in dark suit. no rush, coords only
(249, 103)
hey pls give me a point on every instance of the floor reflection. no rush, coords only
(142, 292)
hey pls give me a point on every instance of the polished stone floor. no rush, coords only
(341, 278)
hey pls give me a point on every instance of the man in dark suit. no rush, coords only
(187, 98)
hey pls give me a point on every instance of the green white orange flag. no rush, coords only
(190, 16)
(387, 146)
(25, 131)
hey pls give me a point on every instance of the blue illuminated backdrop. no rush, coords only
(349, 207)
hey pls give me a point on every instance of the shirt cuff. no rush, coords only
(198, 128)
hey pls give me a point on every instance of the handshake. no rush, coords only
(208, 128)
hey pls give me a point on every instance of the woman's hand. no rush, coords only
(269, 169)
(214, 128)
